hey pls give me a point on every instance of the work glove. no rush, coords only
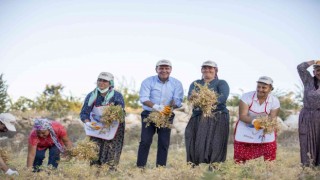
(166, 110)
(93, 125)
(158, 108)
(12, 172)
(256, 124)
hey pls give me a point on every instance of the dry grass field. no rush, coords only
(287, 165)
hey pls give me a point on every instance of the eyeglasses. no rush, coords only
(102, 80)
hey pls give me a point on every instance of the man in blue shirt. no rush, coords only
(155, 93)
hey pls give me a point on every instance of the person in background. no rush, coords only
(309, 118)
(7, 121)
(155, 93)
(206, 138)
(104, 95)
(250, 143)
(45, 135)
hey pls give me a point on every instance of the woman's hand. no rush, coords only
(256, 124)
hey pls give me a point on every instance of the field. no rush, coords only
(287, 165)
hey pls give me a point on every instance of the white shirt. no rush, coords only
(271, 102)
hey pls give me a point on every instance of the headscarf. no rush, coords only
(94, 94)
(45, 124)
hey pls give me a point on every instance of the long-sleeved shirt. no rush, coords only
(154, 90)
(311, 97)
(117, 99)
(219, 86)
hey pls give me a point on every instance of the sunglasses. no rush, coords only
(102, 80)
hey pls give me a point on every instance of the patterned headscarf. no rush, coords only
(45, 124)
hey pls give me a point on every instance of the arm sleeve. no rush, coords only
(119, 100)
(224, 91)
(304, 74)
(33, 139)
(60, 130)
(275, 103)
(191, 87)
(178, 94)
(85, 111)
(145, 90)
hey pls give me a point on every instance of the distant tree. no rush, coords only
(234, 100)
(130, 96)
(22, 104)
(51, 100)
(131, 99)
(288, 103)
(3, 94)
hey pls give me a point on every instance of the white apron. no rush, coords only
(248, 134)
(105, 133)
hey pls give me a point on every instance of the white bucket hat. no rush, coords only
(8, 120)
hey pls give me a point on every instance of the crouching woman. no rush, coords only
(46, 135)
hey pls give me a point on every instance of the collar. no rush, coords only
(269, 99)
(158, 79)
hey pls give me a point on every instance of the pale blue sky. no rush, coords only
(71, 42)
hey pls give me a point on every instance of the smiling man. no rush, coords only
(7, 121)
(156, 92)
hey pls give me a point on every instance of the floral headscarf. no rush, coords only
(45, 124)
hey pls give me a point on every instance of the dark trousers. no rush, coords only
(54, 157)
(146, 141)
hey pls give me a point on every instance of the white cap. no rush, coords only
(8, 120)
(164, 62)
(106, 76)
(209, 63)
(266, 80)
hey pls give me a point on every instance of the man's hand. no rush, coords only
(256, 124)
(158, 108)
(11, 172)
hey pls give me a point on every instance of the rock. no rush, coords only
(292, 122)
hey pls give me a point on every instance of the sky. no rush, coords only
(71, 42)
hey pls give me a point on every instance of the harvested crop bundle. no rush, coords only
(204, 98)
(268, 124)
(85, 150)
(160, 119)
(112, 113)
(4, 154)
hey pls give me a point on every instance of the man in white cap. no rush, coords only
(7, 121)
(156, 92)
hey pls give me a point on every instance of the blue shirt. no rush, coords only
(154, 90)
(219, 86)
(117, 99)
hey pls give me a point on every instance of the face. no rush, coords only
(163, 72)
(316, 72)
(208, 72)
(43, 133)
(103, 84)
(3, 128)
(263, 90)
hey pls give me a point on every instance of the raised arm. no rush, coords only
(304, 74)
